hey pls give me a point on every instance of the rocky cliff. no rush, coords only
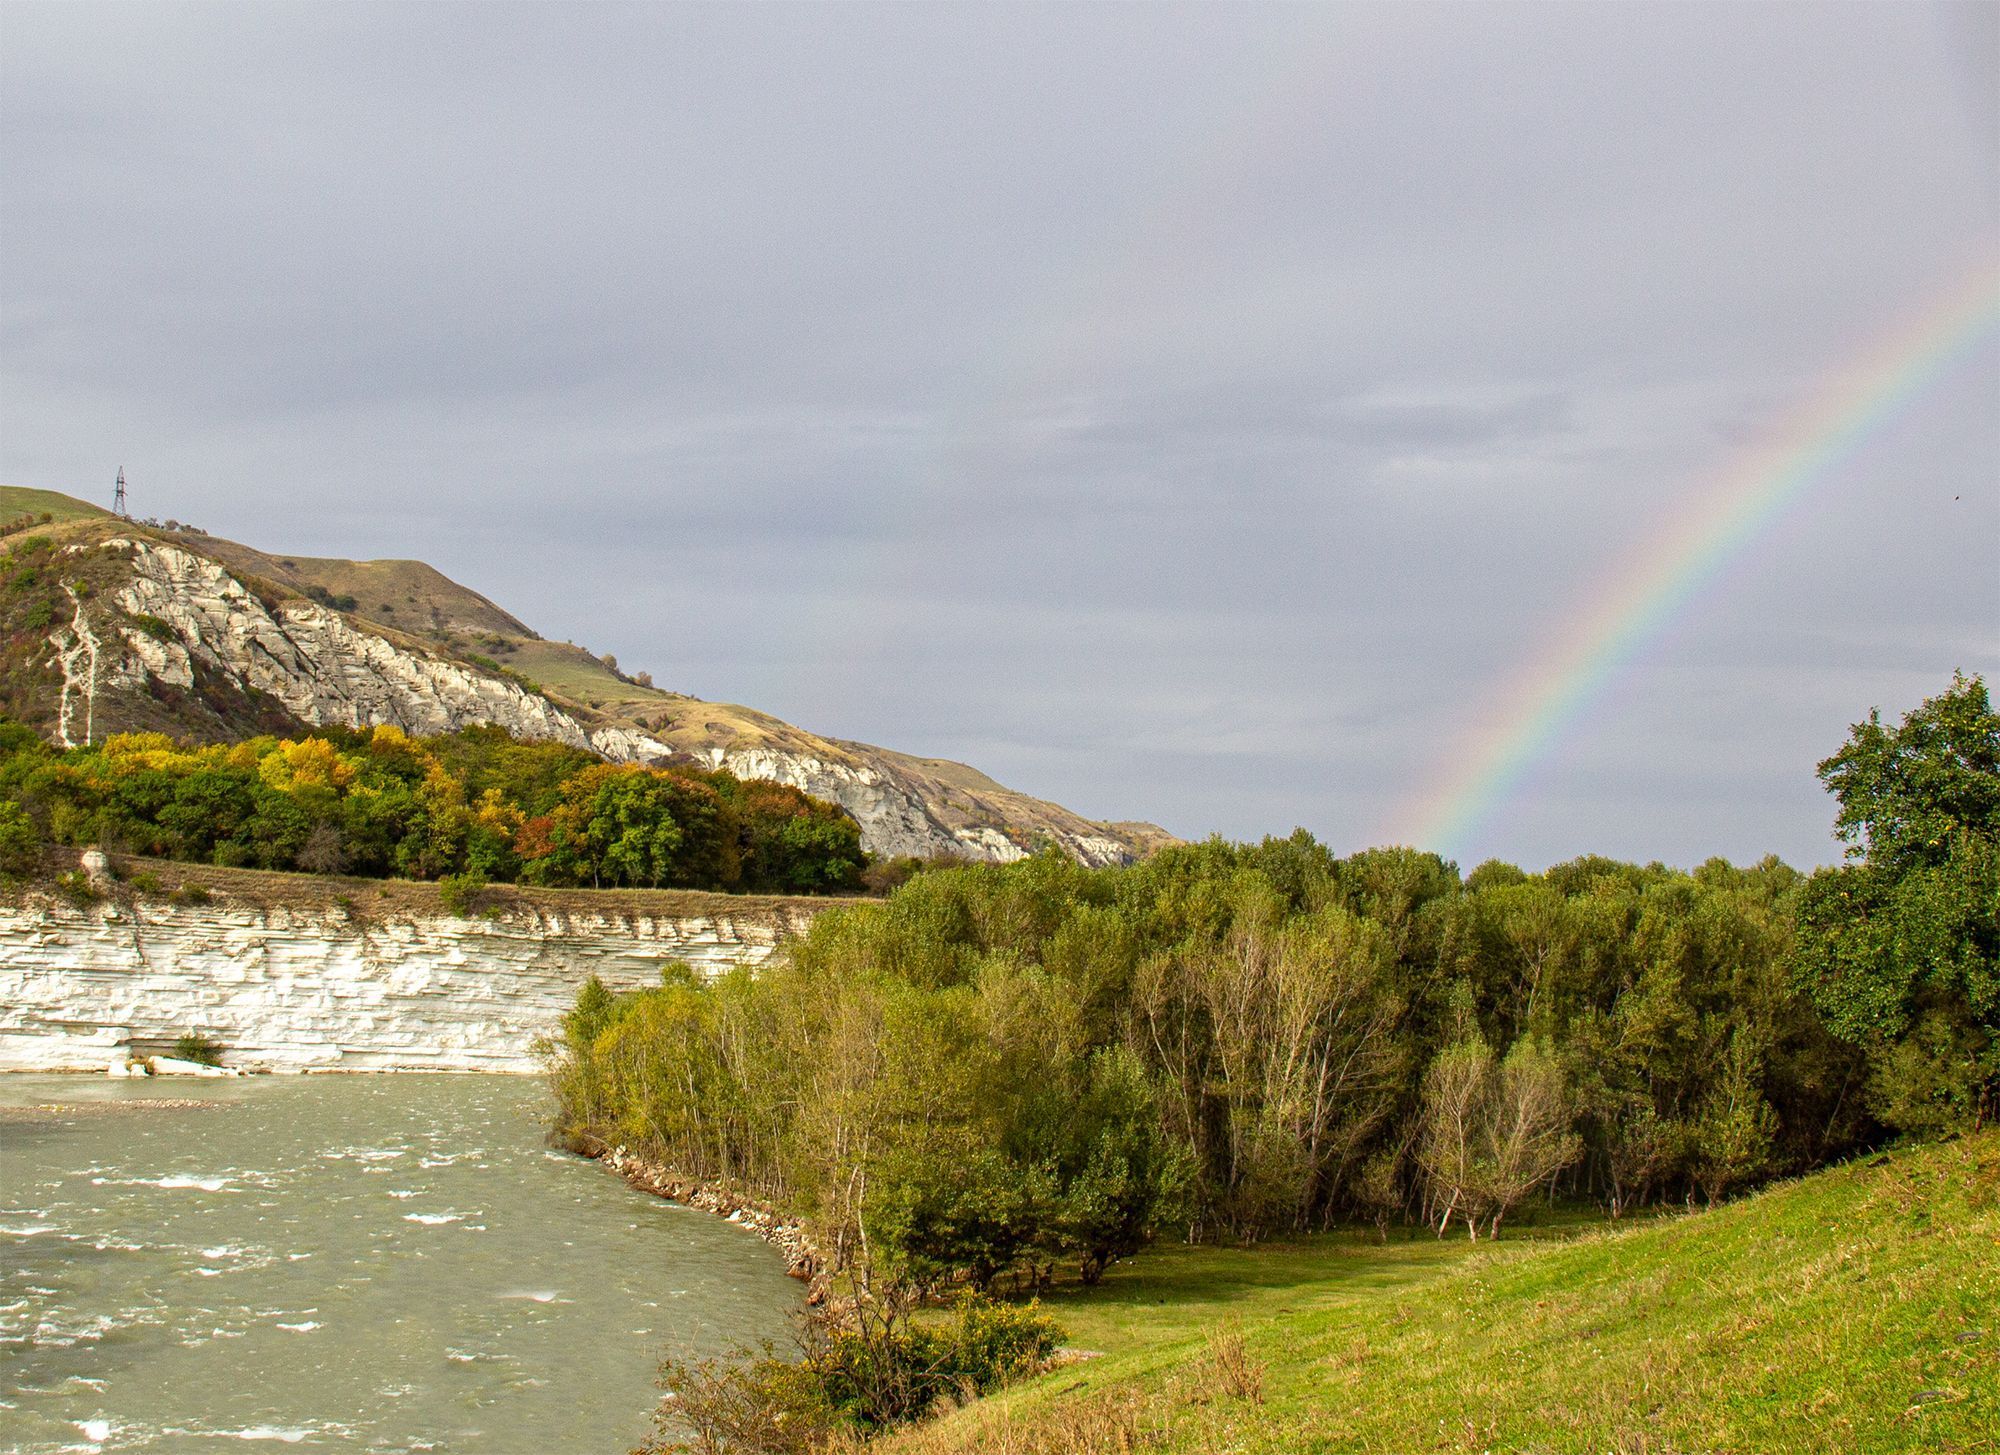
(124, 626)
(298, 973)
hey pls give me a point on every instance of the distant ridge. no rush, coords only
(118, 625)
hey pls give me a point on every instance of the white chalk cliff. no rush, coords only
(317, 987)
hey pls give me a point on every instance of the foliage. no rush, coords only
(1900, 949)
(476, 802)
(327, 598)
(1004, 1070)
(198, 1048)
(20, 842)
(465, 894)
(1850, 1311)
(1492, 1131)
(862, 1375)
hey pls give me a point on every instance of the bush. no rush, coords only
(191, 894)
(866, 1377)
(146, 882)
(465, 895)
(196, 1047)
(326, 598)
(74, 886)
(20, 842)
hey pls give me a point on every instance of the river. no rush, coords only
(358, 1263)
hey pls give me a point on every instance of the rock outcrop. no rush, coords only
(302, 985)
(203, 637)
(324, 670)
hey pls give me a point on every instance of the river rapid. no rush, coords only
(357, 1263)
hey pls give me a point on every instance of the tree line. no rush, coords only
(1003, 1067)
(377, 802)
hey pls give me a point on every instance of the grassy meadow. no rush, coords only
(1854, 1310)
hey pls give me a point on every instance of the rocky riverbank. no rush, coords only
(788, 1235)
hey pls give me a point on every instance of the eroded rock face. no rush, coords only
(312, 989)
(894, 821)
(326, 670)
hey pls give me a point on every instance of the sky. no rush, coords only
(1199, 414)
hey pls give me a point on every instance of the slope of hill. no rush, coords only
(111, 625)
(1856, 1310)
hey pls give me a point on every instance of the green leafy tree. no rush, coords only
(20, 841)
(1900, 949)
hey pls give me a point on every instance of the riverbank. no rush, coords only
(296, 972)
(790, 1236)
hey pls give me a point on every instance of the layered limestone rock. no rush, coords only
(184, 621)
(322, 669)
(296, 988)
(895, 821)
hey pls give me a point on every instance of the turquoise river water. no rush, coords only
(356, 1263)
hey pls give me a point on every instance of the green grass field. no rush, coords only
(19, 500)
(1857, 1310)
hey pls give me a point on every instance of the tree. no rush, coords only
(1900, 949)
(20, 842)
(1493, 1132)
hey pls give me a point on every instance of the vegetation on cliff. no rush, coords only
(477, 804)
(144, 626)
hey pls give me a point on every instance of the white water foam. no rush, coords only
(172, 1182)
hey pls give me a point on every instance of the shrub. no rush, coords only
(196, 1047)
(154, 627)
(860, 1378)
(326, 598)
(74, 886)
(146, 882)
(20, 842)
(465, 895)
(1226, 1367)
(191, 894)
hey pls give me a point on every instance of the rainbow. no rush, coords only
(1638, 602)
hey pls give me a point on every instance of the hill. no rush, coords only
(24, 508)
(1853, 1310)
(111, 625)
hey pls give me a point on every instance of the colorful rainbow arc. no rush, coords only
(1639, 602)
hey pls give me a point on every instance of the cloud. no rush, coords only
(1187, 414)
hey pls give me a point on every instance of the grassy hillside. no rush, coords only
(408, 595)
(1857, 1310)
(17, 501)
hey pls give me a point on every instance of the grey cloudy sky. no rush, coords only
(1200, 414)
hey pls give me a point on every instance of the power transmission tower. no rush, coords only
(118, 499)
